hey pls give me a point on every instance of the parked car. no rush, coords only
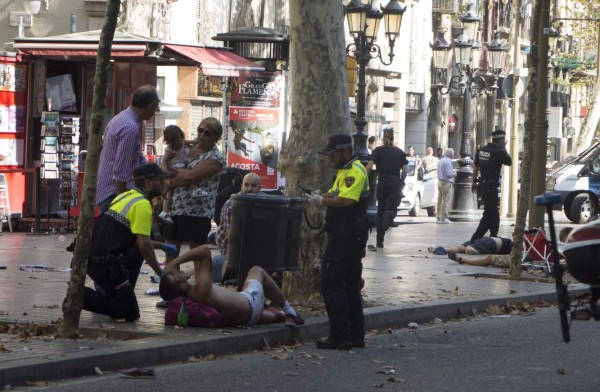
(420, 190)
(578, 179)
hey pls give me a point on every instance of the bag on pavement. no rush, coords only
(199, 315)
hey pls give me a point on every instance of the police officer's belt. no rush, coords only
(106, 259)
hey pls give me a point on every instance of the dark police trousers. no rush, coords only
(491, 215)
(117, 303)
(341, 284)
(389, 195)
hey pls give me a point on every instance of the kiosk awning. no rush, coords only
(213, 62)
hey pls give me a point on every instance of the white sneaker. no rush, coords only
(165, 217)
(446, 221)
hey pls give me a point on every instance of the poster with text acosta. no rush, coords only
(253, 142)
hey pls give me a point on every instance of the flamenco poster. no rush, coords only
(253, 140)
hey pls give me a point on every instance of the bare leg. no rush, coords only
(272, 291)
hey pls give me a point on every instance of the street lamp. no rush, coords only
(467, 59)
(363, 25)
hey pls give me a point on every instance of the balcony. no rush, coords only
(445, 6)
(414, 102)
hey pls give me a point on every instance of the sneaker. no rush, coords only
(293, 321)
(330, 344)
(165, 217)
(446, 221)
(155, 279)
(380, 244)
(162, 304)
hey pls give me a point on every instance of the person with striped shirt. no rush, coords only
(121, 146)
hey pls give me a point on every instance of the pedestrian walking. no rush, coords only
(488, 163)
(446, 176)
(391, 163)
(346, 226)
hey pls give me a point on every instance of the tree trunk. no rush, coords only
(590, 124)
(319, 108)
(516, 253)
(73, 302)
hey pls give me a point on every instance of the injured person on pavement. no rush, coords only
(481, 246)
(238, 308)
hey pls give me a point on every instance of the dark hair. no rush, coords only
(169, 288)
(144, 95)
(172, 130)
(214, 125)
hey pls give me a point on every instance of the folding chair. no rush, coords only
(537, 248)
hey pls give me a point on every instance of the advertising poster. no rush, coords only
(253, 142)
(257, 89)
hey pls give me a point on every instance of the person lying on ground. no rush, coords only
(238, 308)
(483, 245)
(500, 260)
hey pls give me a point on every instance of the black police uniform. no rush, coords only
(489, 160)
(115, 260)
(389, 162)
(347, 229)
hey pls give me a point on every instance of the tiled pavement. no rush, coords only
(401, 277)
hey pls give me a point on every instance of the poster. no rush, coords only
(253, 142)
(257, 89)
(11, 152)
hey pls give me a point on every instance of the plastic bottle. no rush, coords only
(182, 317)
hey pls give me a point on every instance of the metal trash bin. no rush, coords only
(265, 231)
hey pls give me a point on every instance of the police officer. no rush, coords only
(488, 162)
(391, 166)
(347, 232)
(120, 244)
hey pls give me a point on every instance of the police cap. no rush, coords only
(498, 135)
(148, 170)
(337, 142)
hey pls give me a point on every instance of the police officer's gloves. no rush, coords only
(314, 199)
(169, 249)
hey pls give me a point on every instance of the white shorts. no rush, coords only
(253, 292)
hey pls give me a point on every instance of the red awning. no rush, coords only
(213, 62)
(78, 53)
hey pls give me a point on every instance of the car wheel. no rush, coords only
(582, 208)
(431, 211)
(567, 210)
(415, 210)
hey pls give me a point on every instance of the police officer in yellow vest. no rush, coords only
(120, 244)
(346, 225)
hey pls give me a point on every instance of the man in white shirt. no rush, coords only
(446, 176)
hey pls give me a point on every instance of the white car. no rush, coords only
(420, 190)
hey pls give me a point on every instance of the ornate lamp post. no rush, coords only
(466, 56)
(363, 24)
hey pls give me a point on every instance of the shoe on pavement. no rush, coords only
(165, 217)
(380, 244)
(330, 344)
(293, 321)
(162, 304)
(446, 221)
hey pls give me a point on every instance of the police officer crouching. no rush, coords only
(488, 162)
(120, 244)
(346, 225)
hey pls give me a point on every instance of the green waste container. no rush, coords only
(265, 231)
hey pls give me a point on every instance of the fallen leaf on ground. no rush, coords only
(561, 371)
(282, 357)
